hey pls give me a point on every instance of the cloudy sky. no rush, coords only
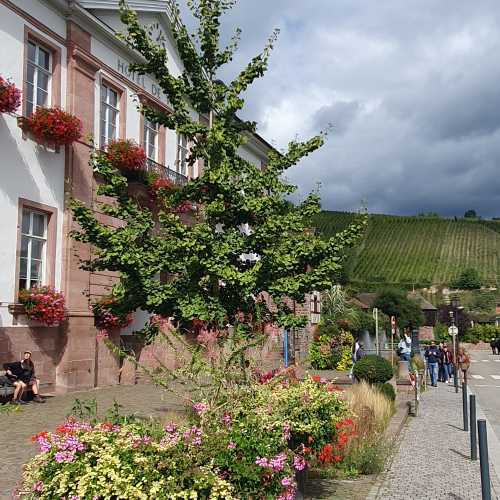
(411, 87)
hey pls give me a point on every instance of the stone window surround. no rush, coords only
(122, 105)
(50, 252)
(55, 52)
(161, 138)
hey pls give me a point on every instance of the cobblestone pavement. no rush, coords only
(431, 461)
(17, 428)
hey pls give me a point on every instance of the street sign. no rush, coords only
(453, 330)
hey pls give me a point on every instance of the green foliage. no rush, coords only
(387, 390)
(417, 362)
(208, 279)
(417, 251)
(469, 279)
(481, 333)
(394, 302)
(470, 214)
(369, 457)
(373, 369)
(441, 333)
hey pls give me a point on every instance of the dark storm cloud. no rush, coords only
(412, 89)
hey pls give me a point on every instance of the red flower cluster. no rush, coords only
(183, 207)
(161, 183)
(10, 96)
(126, 155)
(54, 126)
(333, 453)
(105, 319)
(43, 304)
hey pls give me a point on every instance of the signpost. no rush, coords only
(393, 332)
(453, 331)
(377, 344)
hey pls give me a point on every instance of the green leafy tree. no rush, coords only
(407, 312)
(469, 279)
(470, 214)
(207, 279)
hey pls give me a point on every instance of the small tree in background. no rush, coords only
(394, 302)
(209, 283)
(470, 214)
(469, 279)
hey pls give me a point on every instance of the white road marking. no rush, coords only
(478, 385)
(479, 377)
(476, 361)
(496, 377)
(485, 360)
(497, 360)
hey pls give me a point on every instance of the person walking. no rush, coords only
(447, 364)
(432, 355)
(404, 347)
(463, 362)
(354, 352)
(493, 345)
(440, 363)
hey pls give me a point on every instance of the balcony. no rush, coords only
(165, 172)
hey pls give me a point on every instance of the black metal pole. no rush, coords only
(473, 430)
(464, 405)
(483, 460)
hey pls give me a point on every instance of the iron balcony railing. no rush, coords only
(165, 172)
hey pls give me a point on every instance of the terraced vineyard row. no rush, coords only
(420, 250)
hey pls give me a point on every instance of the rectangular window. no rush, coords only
(38, 77)
(33, 249)
(151, 139)
(109, 114)
(182, 154)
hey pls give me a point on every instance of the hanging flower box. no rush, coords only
(43, 304)
(128, 157)
(107, 319)
(52, 126)
(10, 96)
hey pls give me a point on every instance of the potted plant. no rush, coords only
(10, 96)
(52, 126)
(128, 157)
(43, 304)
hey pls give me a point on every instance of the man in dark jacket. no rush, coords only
(432, 355)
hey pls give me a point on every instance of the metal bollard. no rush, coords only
(473, 430)
(464, 406)
(483, 460)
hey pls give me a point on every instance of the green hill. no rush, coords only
(419, 250)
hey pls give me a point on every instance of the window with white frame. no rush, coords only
(182, 154)
(33, 248)
(38, 76)
(109, 114)
(151, 139)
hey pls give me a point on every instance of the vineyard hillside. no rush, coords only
(418, 250)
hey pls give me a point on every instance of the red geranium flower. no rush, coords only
(10, 96)
(54, 126)
(126, 155)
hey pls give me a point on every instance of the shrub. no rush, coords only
(469, 279)
(10, 96)
(417, 363)
(481, 333)
(387, 390)
(44, 304)
(373, 369)
(126, 155)
(54, 126)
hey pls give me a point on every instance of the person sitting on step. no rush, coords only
(22, 375)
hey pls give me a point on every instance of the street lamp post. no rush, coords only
(375, 316)
(454, 331)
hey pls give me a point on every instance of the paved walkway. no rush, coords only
(432, 460)
(17, 428)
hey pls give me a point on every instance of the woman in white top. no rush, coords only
(404, 347)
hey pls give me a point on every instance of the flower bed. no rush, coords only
(53, 126)
(10, 96)
(251, 446)
(43, 304)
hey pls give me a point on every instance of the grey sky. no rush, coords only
(411, 87)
